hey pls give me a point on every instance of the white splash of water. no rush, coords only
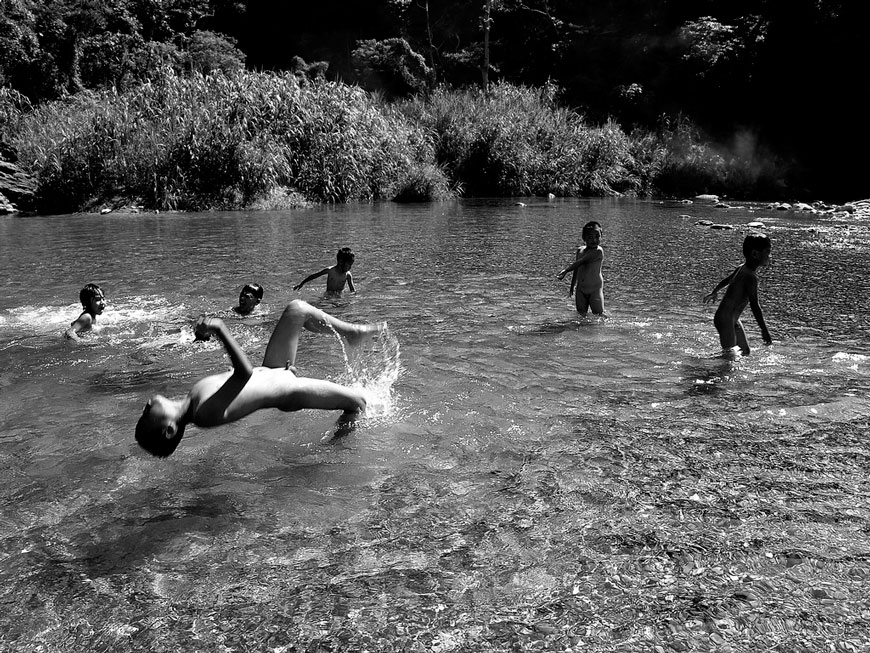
(843, 357)
(373, 369)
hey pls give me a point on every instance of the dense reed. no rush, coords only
(231, 141)
(517, 141)
(200, 142)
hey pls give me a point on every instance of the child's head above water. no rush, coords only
(157, 431)
(92, 298)
(345, 257)
(755, 242)
(592, 231)
(251, 295)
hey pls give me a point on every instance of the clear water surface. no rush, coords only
(490, 395)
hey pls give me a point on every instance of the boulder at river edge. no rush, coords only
(17, 189)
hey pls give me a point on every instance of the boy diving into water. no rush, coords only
(229, 396)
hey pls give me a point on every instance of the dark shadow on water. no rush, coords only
(164, 532)
(114, 381)
(549, 328)
(707, 376)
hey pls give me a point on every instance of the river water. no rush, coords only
(489, 397)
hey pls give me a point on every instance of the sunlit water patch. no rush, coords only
(513, 454)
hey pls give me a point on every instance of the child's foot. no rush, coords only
(345, 425)
(365, 333)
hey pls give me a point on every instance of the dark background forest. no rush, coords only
(778, 77)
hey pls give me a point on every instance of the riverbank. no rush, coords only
(261, 140)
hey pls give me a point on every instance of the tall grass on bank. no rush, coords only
(516, 141)
(13, 107)
(199, 142)
(233, 141)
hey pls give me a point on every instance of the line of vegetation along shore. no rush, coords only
(266, 140)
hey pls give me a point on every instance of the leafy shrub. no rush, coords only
(390, 66)
(242, 139)
(692, 164)
(516, 141)
(422, 183)
(214, 141)
(13, 107)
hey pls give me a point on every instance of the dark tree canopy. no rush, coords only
(777, 74)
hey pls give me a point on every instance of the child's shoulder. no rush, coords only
(85, 318)
(744, 276)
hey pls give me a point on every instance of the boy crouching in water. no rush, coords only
(224, 398)
(742, 290)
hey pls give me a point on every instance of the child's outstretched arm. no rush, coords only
(350, 283)
(207, 326)
(587, 256)
(569, 268)
(752, 291)
(310, 277)
(573, 269)
(719, 286)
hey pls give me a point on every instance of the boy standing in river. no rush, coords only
(229, 396)
(586, 271)
(93, 302)
(742, 289)
(336, 275)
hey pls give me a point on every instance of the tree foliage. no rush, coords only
(391, 66)
(782, 71)
(50, 48)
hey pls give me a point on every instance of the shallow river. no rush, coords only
(489, 394)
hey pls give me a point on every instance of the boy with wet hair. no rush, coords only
(93, 302)
(586, 270)
(336, 275)
(249, 298)
(223, 398)
(742, 289)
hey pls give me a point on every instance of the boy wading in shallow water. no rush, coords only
(93, 302)
(223, 398)
(587, 272)
(742, 289)
(336, 275)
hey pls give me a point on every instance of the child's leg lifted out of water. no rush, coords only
(229, 396)
(281, 350)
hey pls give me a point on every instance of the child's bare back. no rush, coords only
(337, 278)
